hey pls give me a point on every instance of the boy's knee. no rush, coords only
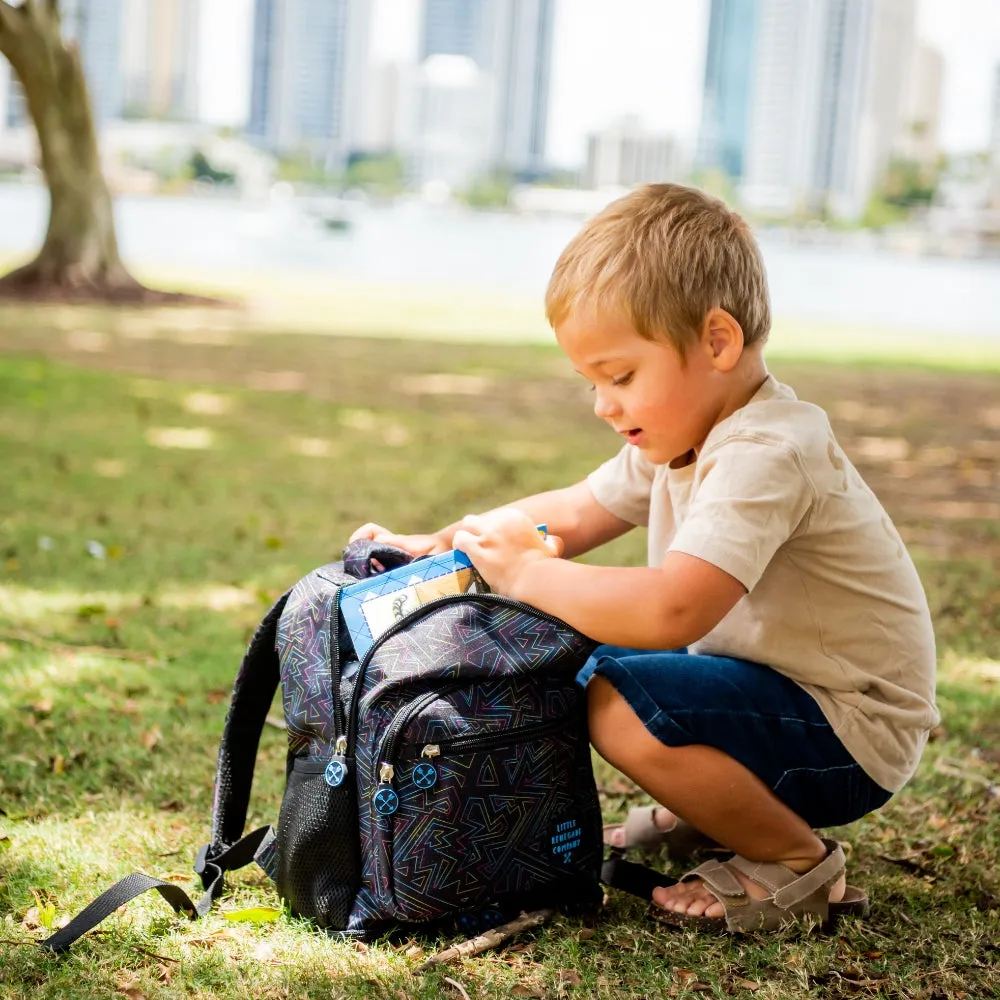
(610, 720)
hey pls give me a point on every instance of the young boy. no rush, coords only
(805, 692)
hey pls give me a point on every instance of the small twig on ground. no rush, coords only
(62, 647)
(908, 864)
(490, 939)
(458, 986)
(161, 958)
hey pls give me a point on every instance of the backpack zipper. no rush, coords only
(385, 789)
(339, 722)
(409, 619)
(405, 714)
(496, 738)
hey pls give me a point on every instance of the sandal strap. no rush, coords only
(720, 880)
(788, 889)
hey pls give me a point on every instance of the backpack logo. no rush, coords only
(565, 839)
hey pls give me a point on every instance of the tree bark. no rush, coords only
(79, 258)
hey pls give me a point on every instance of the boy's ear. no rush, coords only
(722, 338)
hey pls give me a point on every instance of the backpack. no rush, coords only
(443, 780)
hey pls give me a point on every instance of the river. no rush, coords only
(413, 243)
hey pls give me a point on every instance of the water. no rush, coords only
(417, 244)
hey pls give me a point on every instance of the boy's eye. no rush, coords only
(623, 380)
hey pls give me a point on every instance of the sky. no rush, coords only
(627, 57)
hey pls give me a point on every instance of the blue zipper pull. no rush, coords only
(424, 773)
(336, 770)
(385, 800)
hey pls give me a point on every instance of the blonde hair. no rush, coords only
(663, 256)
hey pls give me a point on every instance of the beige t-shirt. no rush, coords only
(834, 601)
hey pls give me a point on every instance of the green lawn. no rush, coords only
(213, 467)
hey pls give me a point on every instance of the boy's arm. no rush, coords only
(664, 607)
(643, 608)
(572, 514)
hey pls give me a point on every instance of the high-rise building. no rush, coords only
(729, 64)
(995, 117)
(6, 83)
(12, 112)
(458, 28)
(626, 154)
(310, 60)
(96, 26)
(450, 140)
(920, 118)
(510, 41)
(160, 58)
(826, 102)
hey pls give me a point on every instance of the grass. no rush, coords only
(302, 303)
(163, 482)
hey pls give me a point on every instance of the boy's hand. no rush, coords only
(416, 545)
(501, 544)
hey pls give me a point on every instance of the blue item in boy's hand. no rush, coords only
(372, 606)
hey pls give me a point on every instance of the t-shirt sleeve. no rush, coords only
(749, 499)
(622, 486)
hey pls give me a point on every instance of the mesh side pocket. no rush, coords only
(319, 846)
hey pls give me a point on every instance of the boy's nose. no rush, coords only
(604, 408)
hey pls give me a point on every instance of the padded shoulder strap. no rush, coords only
(255, 685)
(637, 880)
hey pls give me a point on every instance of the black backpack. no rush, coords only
(446, 777)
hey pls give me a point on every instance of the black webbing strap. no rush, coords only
(124, 891)
(638, 880)
(255, 685)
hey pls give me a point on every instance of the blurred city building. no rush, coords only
(920, 126)
(828, 88)
(310, 70)
(96, 26)
(509, 42)
(995, 117)
(806, 101)
(450, 141)
(160, 43)
(625, 154)
(729, 64)
(995, 140)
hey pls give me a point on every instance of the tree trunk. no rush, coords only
(79, 258)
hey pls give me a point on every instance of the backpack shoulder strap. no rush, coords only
(255, 685)
(253, 690)
(635, 879)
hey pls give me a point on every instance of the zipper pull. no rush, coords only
(424, 773)
(336, 770)
(385, 800)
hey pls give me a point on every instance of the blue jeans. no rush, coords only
(750, 712)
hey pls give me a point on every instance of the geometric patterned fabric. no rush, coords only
(467, 787)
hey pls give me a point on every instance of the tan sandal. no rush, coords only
(642, 834)
(793, 895)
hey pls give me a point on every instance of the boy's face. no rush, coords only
(660, 403)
